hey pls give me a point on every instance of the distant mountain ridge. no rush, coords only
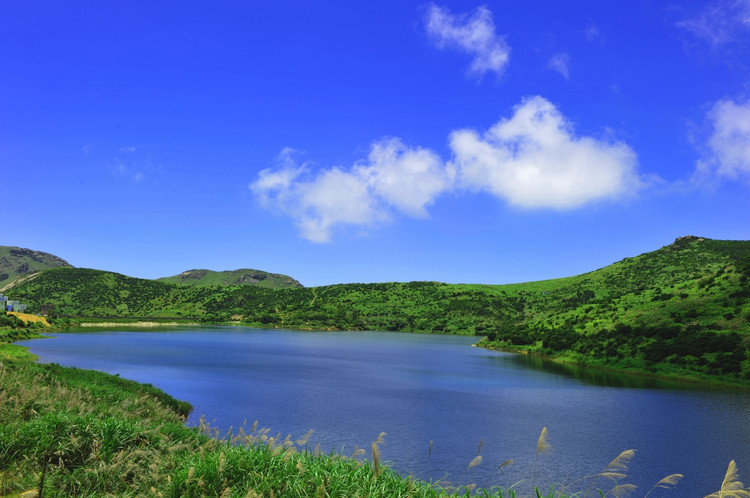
(243, 276)
(16, 262)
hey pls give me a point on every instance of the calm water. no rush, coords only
(350, 386)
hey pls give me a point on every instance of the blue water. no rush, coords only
(350, 386)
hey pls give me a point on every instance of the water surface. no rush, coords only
(350, 386)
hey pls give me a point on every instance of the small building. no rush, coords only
(46, 309)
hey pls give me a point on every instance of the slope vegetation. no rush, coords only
(683, 310)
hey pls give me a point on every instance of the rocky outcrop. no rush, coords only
(16, 262)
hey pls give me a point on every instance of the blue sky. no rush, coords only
(389, 141)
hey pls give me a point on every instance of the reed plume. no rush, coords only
(617, 467)
(621, 490)
(542, 446)
(475, 461)
(376, 452)
(303, 441)
(358, 452)
(731, 487)
(667, 482)
(429, 462)
(504, 464)
(376, 458)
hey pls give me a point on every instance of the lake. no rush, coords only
(350, 386)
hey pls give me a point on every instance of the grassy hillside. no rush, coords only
(234, 277)
(682, 310)
(16, 262)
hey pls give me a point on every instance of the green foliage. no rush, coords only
(10, 321)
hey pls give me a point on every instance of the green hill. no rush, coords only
(17, 262)
(683, 310)
(242, 276)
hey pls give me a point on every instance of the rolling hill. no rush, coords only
(242, 276)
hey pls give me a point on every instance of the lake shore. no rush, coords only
(145, 325)
(635, 373)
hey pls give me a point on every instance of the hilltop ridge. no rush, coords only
(242, 276)
(16, 262)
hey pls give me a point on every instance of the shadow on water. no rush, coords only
(593, 376)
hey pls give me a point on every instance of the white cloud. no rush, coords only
(394, 177)
(560, 62)
(720, 21)
(534, 160)
(335, 197)
(273, 186)
(531, 160)
(474, 34)
(406, 178)
(729, 143)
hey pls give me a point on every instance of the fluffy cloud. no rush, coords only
(531, 160)
(729, 143)
(408, 179)
(394, 177)
(534, 160)
(474, 34)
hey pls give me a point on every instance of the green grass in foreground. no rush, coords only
(72, 432)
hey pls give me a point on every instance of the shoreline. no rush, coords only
(133, 324)
(637, 373)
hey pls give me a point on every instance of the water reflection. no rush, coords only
(591, 375)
